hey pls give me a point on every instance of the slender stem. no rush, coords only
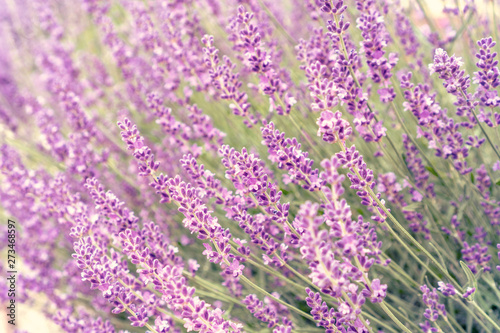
(440, 330)
(403, 230)
(485, 134)
(495, 26)
(461, 30)
(278, 25)
(379, 322)
(486, 316)
(394, 318)
(300, 276)
(407, 235)
(479, 321)
(275, 273)
(313, 147)
(133, 314)
(291, 307)
(348, 300)
(449, 324)
(382, 304)
(400, 314)
(456, 324)
(213, 293)
(428, 18)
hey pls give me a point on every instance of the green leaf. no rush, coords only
(471, 279)
(413, 206)
(472, 179)
(285, 192)
(479, 274)
(431, 170)
(498, 182)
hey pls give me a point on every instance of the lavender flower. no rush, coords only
(431, 300)
(198, 219)
(469, 292)
(487, 77)
(226, 81)
(251, 182)
(287, 153)
(442, 132)
(456, 81)
(247, 39)
(255, 242)
(446, 289)
(371, 25)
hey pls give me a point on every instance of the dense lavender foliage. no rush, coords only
(252, 165)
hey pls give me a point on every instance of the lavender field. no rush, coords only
(249, 166)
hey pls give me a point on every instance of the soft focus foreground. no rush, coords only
(252, 166)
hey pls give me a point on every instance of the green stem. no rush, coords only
(407, 235)
(485, 134)
(404, 231)
(428, 18)
(449, 324)
(313, 147)
(278, 25)
(400, 314)
(474, 316)
(382, 304)
(394, 318)
(461, 30)
(486, 316)
(291, 307)
(379, 322)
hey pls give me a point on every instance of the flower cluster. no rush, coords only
(248, 40)
(488, 80)
(434, 308)
(288, 155)
(226, 81)
(283, 167)
(456, 82)
(252, 184)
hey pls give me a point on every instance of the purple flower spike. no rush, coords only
(441, 132)
(488, 79)
(252, 183)
(469, 292)
(378, 291)
(449, 70)
(226, 81)
(197, 218)
(431, 300)
(260, 311)
(142, 153)
(476, 257)
(446, 289)
(248, 38)
(456, 81)
(372, 27)
(325, 316)
(333, 127)
(498, 247)
(488, 75)
(288, 155)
